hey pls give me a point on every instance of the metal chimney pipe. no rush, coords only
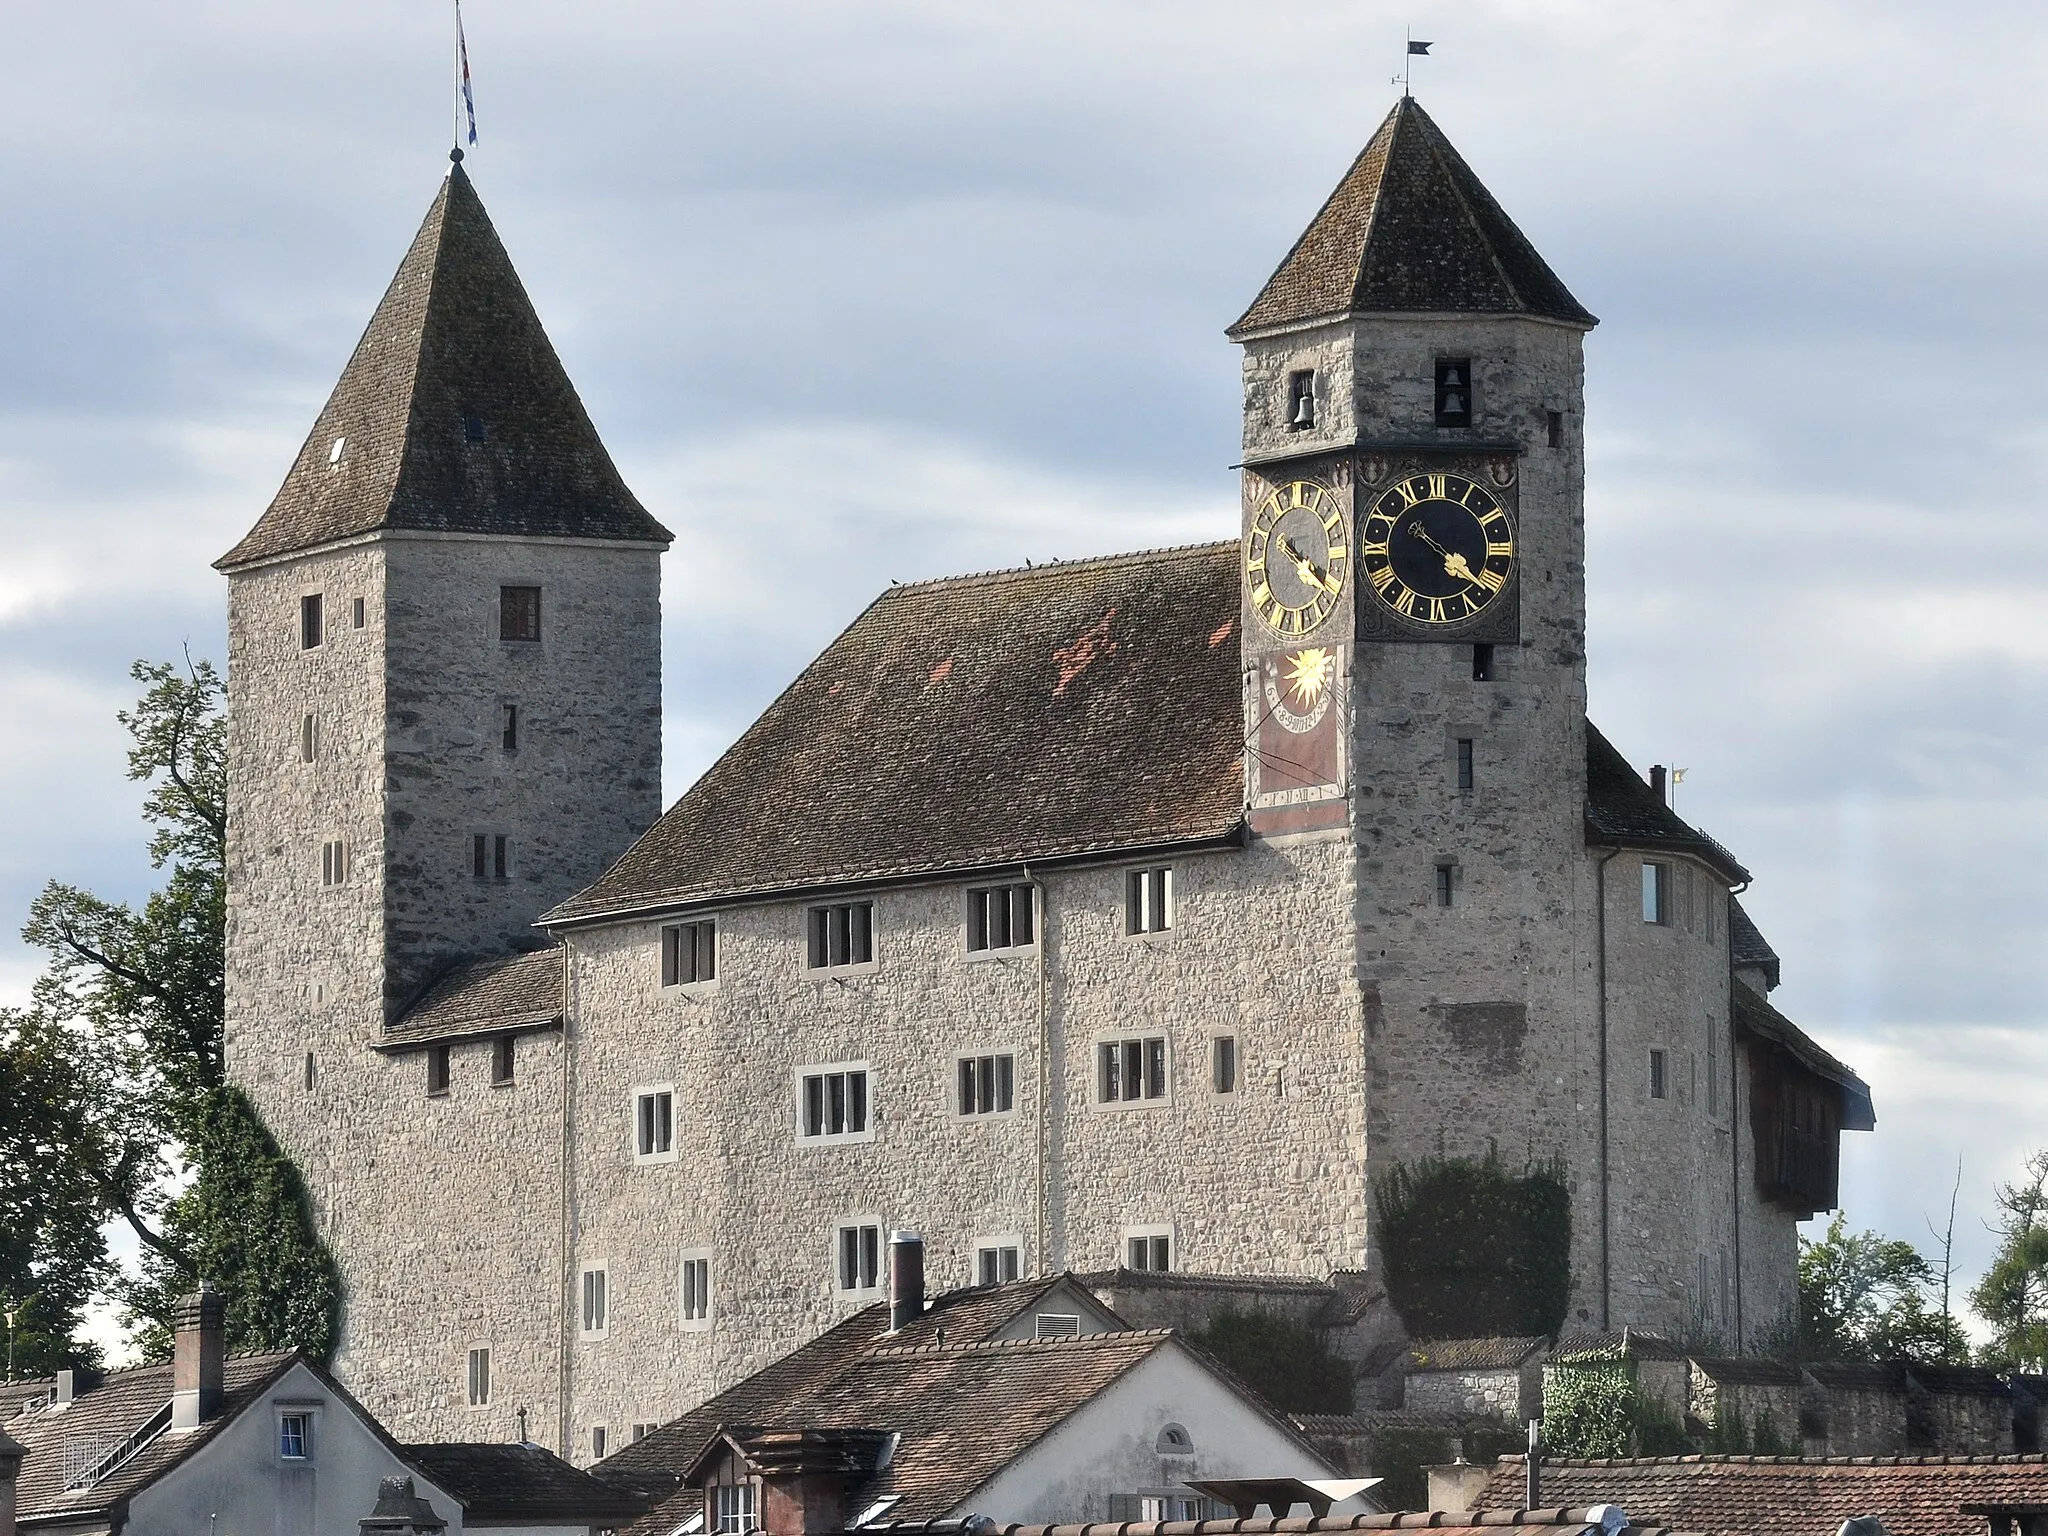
(1533, 1484)
(906, 1279)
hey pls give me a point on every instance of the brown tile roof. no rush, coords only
(1410, 228)
(1747, 945)
(1622, 808)
(1759, 1019)
(1499, 1354)
(63, 1443)
(1751, 1373)
(1788, 1496)
(488, 997)
(1059, 712)
(454, 339)
(1644, 1346)
(527, 1482)
(1553, 1522)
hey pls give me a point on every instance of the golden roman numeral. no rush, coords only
(1489, 518)
(1381, 577)
(1409, 495)
(1439, 489)
(1338, 555)
(1405, 604)
(1261, 595)
(1436, 613)
(1500, 548)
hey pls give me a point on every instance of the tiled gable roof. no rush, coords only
(1498, 1354)
(488, 997)
(454, 339)
(1785, 1495)
(1054, 712)
(1747, 945)
(1622, 808)
(522, 1481)
(1410, 228)
(1758, 1019)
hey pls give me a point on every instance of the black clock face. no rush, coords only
(1436, 548)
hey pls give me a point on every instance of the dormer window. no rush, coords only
(1454, 391)
(732, 1507)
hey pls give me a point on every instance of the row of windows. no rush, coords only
(1677, 895)
(440, 1066)
(508, 732)
(488, 856)
(518, 615)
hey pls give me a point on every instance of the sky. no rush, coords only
(941, 287)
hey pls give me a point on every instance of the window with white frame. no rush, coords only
(1000, 917)
(295, 1436)
(654, 1123)
(832, 1103)
(600, 1442)
(479, 1375)
(596, 1288)
(997, 1261)
(333, 862)
(857, 1256)
(732, 1507)
(1148, 900)
(693, 1289)
(841, 935)
(988, 1084)
(1131, 1071)
(1148, 1248)
(689, 953)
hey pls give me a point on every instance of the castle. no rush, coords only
(1134, 912)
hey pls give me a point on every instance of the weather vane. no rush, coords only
(465, 102)
(1414, 48)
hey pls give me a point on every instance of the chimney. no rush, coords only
(197, 1364)
(906, 1279)
(1532, 1469)
(400, 1512)
(1458, 1485)
(12, 1455)
(1657, 783)
(67, 1388)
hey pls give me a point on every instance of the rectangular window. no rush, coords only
(1301, 400)
(596, 1301)
(1465, 765)
(860, 1257)
(356, 614)
(1660, 1074)
(999, 917)
(642, 1431)
(519, 613)
(294, 1435)
(1130, 1070)
(1656, 892)
(508, 732)
(1148, 901)
(693, 1291)
(333, 862)
(654, 1114)
(1713, 1073)
(842, 935)
(1553, 429)
(309, 739)
(1703, 1297)
(987, 1084)
(490, 855)
(480, 1376)
(689, 953)
(501, 1060)
(1482, 663)
(1446, 884)
(998, 1265)
(732, 1508)
(600, 1442)
(311, 630)
(1056, 1325)
(833, 1104)
(309, 1071)
(1454, 391)
(1148, 1250)
(1223, 1064)
(437, 1069)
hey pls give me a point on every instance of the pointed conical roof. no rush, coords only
(454, 341)
(1410, 228)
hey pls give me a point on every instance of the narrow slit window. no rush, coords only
(333, 862)
(1553, 428)
(1465, 744)
(356, 614)
(1482, 663)
(1660, 1074)
(1656, 892)
(437, 1070)
(498, 856)
(309, 738)
(479, 1377)
(519, 613)
(1446, 884)
(1223, 1064)
(509, 728)
(501, 1060)
(309, 1071)
(311, 631)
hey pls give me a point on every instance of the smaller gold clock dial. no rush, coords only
(1295, 557)
(1436, 548)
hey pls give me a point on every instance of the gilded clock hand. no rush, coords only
(1454, 563)
(1307, 569)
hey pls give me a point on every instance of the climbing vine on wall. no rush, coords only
(1471, 1250)
(1594, 1406)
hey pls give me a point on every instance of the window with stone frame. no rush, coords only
(987, 1084)
(857, 1255)
(1148, 900)
(1132, 1070)
(693, 1289)
(689, 953)
(654, 1123)
(519, 613)
(833, 1103)
(841, 935)
(998, 1262)
(312, 622)
(595, 1291)
(1148, 1248)
(479, 1375)
(1000, 918)
(334, 862)
(1223, 1063)
(490, 856)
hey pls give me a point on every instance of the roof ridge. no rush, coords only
(1021, 572)
(1733, 1458)
(1079, 1341)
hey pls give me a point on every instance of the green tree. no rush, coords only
(2013, 1295)
(1866, 1297)
(1472, 1250)
(1285, 1363)
(138, 998)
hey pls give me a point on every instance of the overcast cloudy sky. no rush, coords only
(959, 271)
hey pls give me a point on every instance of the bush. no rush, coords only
(1285, 1363)
(1471, 1250)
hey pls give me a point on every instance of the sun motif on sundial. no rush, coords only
(1308, 674)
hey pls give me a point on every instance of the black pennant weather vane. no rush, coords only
(1414, 48)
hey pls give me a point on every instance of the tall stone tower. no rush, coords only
(444, 697)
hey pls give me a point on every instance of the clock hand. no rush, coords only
(1307, 569)
(1455, 564)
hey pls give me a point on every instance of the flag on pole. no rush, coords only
(1413, 47)
(462, 63)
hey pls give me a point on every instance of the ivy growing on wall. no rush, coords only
(1594, 1406)
(1471, 1250)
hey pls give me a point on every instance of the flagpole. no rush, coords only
(455, 84)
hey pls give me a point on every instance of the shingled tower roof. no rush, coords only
(454, 351)
(1410, 229)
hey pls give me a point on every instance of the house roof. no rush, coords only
(63, 1443)
(503, 995)
(1553, 1522)
(1498, 1354)
(1410, 228)
(515, 1480)
(1747, 946)
(1057, 712)
(1757, 1018)
(1622, 808)
(454, 340)
(1644, 1346)
(1747, 1372)
(1787, 1495)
